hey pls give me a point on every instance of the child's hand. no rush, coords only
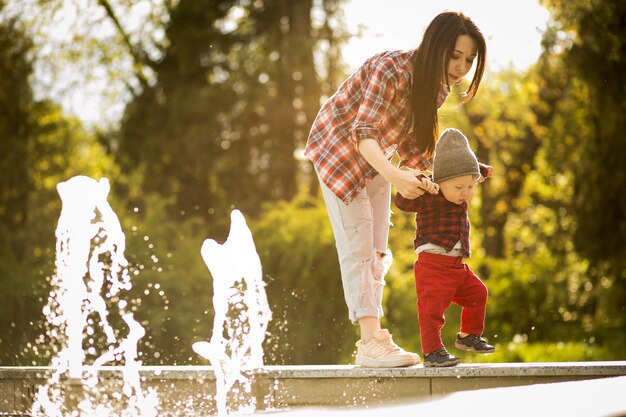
(486, 171)
(428, 185)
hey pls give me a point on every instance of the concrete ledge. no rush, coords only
(316, 385)
(561, 369)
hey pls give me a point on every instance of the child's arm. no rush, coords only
(404, 204)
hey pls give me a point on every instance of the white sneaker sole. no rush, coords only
(390, 363)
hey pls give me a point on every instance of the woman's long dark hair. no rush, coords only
(431, 62)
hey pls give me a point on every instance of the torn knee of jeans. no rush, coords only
(378, 268)
(382, 263)
(379, 277)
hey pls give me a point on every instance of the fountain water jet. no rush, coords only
(89, 261)
(242, 314)
(91, 274)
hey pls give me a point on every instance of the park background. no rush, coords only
(192, 108)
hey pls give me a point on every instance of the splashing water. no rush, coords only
(89, 262)
(242, 315)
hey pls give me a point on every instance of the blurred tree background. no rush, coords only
(216, 102)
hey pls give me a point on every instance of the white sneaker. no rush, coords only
(382, 352)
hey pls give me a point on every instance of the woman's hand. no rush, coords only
(405, 182)
(410, 187)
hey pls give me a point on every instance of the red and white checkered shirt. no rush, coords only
(373, 103)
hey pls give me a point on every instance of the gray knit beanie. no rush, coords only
(453, 157)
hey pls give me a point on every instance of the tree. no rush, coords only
(39, 147)
(595, 51)
(16, 102)
(235, 94)
(16, 184)
(172, 132)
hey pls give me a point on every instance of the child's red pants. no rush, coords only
(439, 281)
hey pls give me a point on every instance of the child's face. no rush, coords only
(460, 189)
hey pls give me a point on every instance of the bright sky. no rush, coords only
(512, 28)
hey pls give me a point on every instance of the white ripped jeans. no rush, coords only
(361, 231)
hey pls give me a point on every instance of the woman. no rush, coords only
(388, 105)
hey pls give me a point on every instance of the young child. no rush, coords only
(441, 242)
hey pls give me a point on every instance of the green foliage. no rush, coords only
(519, 350)
(593, 125)
(598, 37)
(39, 148)
(172, 287)
(58, 149)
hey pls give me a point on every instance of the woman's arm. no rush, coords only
(405, 182)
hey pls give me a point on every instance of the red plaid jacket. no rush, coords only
(373, 103)
(438, 221)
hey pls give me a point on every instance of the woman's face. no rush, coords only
(462, 58)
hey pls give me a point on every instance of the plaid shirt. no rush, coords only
(373, 103)
(438, 221)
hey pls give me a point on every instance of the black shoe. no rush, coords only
(440, 358)
(473, 343)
